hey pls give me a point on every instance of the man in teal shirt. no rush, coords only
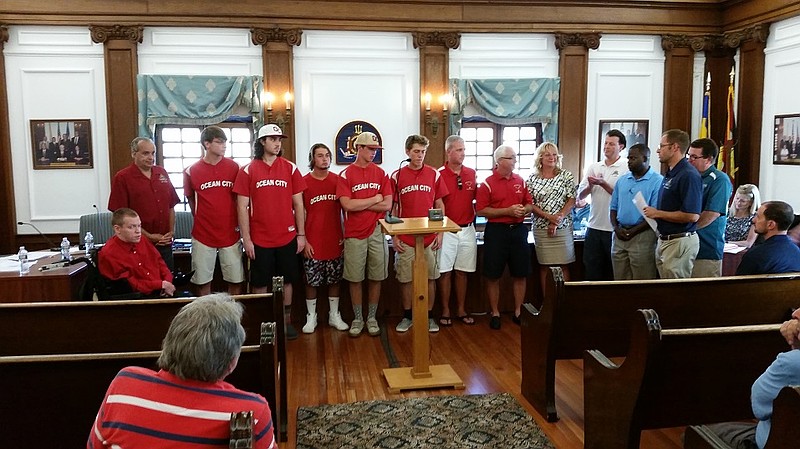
(717, 189)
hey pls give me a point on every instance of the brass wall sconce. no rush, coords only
(282, 120)
(434, 119)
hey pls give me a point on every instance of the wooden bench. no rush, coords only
(784, 430)
(674, 377)
(57, 360)
(576, 316)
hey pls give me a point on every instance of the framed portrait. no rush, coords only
(786, 143)
(635, 130)
(61, 144)
(345, 151)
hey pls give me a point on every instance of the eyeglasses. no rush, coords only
(694, 157)
(458, 182)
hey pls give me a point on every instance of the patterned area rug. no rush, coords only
(472, 421)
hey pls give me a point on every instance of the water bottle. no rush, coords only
(22, 256)
(89, 243)
(65, 249)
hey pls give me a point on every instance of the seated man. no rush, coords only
(127, 256)
(784, 371)
(186, 403)
(778, 254)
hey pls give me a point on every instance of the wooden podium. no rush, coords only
(422, 374)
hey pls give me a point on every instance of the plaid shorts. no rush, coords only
(323, 272)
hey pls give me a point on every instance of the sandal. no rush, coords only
(466, 319)
(445, 321)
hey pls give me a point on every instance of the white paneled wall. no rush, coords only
(781, 96)
(198, 51)
(504, 56)
(55, 73)
(341, 76)
(626, 81)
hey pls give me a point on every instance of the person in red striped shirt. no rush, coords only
(186, 403)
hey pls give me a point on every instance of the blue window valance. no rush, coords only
(508, 102)
(196, 99)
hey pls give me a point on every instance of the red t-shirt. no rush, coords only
(139, 263)
(144, 408)
(152, 198)
(270, 189)
(458, 204)
(323, 216)
(211, 186)
(499, 192)
(359, 183)
(417, 191)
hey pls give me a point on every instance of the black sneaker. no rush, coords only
(291, 332)
(516, 320)
(494, 323)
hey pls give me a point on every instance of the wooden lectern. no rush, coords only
(422, 374)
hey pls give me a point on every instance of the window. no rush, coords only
(178, 147)
(481, 138)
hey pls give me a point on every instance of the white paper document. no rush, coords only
(640, 203)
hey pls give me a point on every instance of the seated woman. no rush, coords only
(740, 228)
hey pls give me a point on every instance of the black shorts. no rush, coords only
(506, 244)
(281, 261)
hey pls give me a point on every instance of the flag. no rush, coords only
(705, 119)
(727, 160)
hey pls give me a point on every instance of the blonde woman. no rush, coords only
(740, 229)
(553, 191)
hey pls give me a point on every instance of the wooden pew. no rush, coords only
(674, 377)
(784, 432)
(57, 359)
(576, 316)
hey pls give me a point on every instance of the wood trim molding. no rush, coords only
(292, 37)
(434, 70)
(591, 41)
(451, 40)
(696, 43)
(758, 33)
(8, 228)
(102, 34)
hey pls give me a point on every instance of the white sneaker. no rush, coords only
(311, 323)
(432, 326)
(372, 327)
(356, 328)
(404, 325)
(335, 320)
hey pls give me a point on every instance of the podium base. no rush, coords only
(439, 376)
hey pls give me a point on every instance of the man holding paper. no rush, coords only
(633, 244)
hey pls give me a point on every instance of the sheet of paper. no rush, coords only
(732, 248)
(640, 203)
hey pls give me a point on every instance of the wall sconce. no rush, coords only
(281, 120)
(434, 119)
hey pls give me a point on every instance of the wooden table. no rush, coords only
(60, 284)
(422, 374)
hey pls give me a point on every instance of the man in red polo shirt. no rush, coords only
(208, 187)
(366, 194)
(323, 261)
(147, 189)
(419, 188)
(459, 250)
(505, 201)
(272, 217)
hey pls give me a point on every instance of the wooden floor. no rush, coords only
(330, 367)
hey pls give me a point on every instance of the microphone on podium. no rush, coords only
(389, 218)
(52, 246)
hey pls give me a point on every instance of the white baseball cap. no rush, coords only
(271, 130)
(368, 139)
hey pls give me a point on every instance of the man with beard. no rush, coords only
(778, 254)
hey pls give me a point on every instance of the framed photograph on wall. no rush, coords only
(61, 144)
(635, 130)
(786, 140)
(345, 151)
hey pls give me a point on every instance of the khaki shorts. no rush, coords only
(371, 253)
(204, 258)
(404, 262)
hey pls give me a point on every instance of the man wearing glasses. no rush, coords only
(680, 201)
(208, 187)
(717, 190)
(459, 250)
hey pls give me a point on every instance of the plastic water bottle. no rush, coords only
(89, 243)
(22, 256)
(65, 249)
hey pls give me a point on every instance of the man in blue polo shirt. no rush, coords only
(634, 242)
(717, 190)
(680, 201)
(778, 254)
